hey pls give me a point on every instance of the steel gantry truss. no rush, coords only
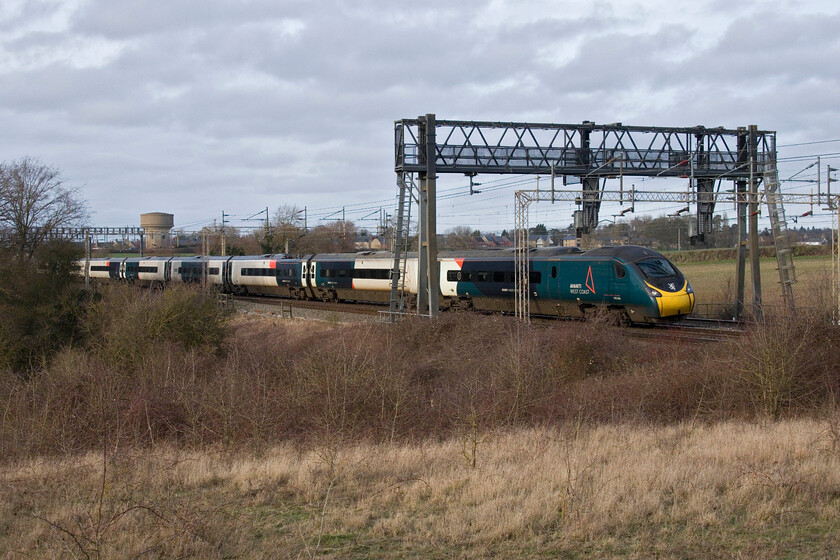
(426, 146)
(769, 196)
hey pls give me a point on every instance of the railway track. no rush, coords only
(679, 332)
(688, 329)
(306, 309)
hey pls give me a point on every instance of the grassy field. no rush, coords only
(714, 282)
(728, 490)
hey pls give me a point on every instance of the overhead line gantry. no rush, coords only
(425, 147)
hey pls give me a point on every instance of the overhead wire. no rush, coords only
(461, 191)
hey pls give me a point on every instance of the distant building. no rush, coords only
(490, 240)
(540, 241)
(370, 242)
(157, 226)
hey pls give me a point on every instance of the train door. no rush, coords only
(307, 276)
(227, 275)
(619, 290)
(312, 279)
(304, 274)
(167, 271)
(555, 280)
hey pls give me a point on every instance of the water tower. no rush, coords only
(157, 226)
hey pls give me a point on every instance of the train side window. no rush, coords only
(481, 277)
(535, 277)
(554, 272)
(619, 271)
(498, 276)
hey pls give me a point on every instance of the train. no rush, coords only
(638, 283)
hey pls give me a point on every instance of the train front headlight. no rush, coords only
(688, 288)
(654, 293)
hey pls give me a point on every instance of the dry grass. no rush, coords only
(465, 437)
(457, 377)
(733, 490)
(714, 282)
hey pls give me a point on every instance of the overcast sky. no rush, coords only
(199, 107)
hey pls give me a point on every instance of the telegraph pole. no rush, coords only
(87, 259)
(224, 240)
(204, 248)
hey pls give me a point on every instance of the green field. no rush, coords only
(714, 282)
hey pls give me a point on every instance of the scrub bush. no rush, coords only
(126, 323)
(40, 305)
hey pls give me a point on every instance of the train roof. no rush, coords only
(631, 253)
(264, 257)
(466, 253)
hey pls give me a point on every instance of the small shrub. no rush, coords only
(783, 363)
(126, 321)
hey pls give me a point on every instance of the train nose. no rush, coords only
(676, 303)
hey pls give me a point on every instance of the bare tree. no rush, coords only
(337, 237)
(459, 237)
(33, 202)
(284, 232)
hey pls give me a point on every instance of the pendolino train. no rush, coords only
(639, 283)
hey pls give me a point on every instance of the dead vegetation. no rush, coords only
(679, 491)
(467, 436)
(162, 368)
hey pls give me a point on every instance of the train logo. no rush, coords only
(590, 282)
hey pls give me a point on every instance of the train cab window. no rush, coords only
(554, 272)
(619, 270)
(656, 268)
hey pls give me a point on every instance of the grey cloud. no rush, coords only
(211, 101)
